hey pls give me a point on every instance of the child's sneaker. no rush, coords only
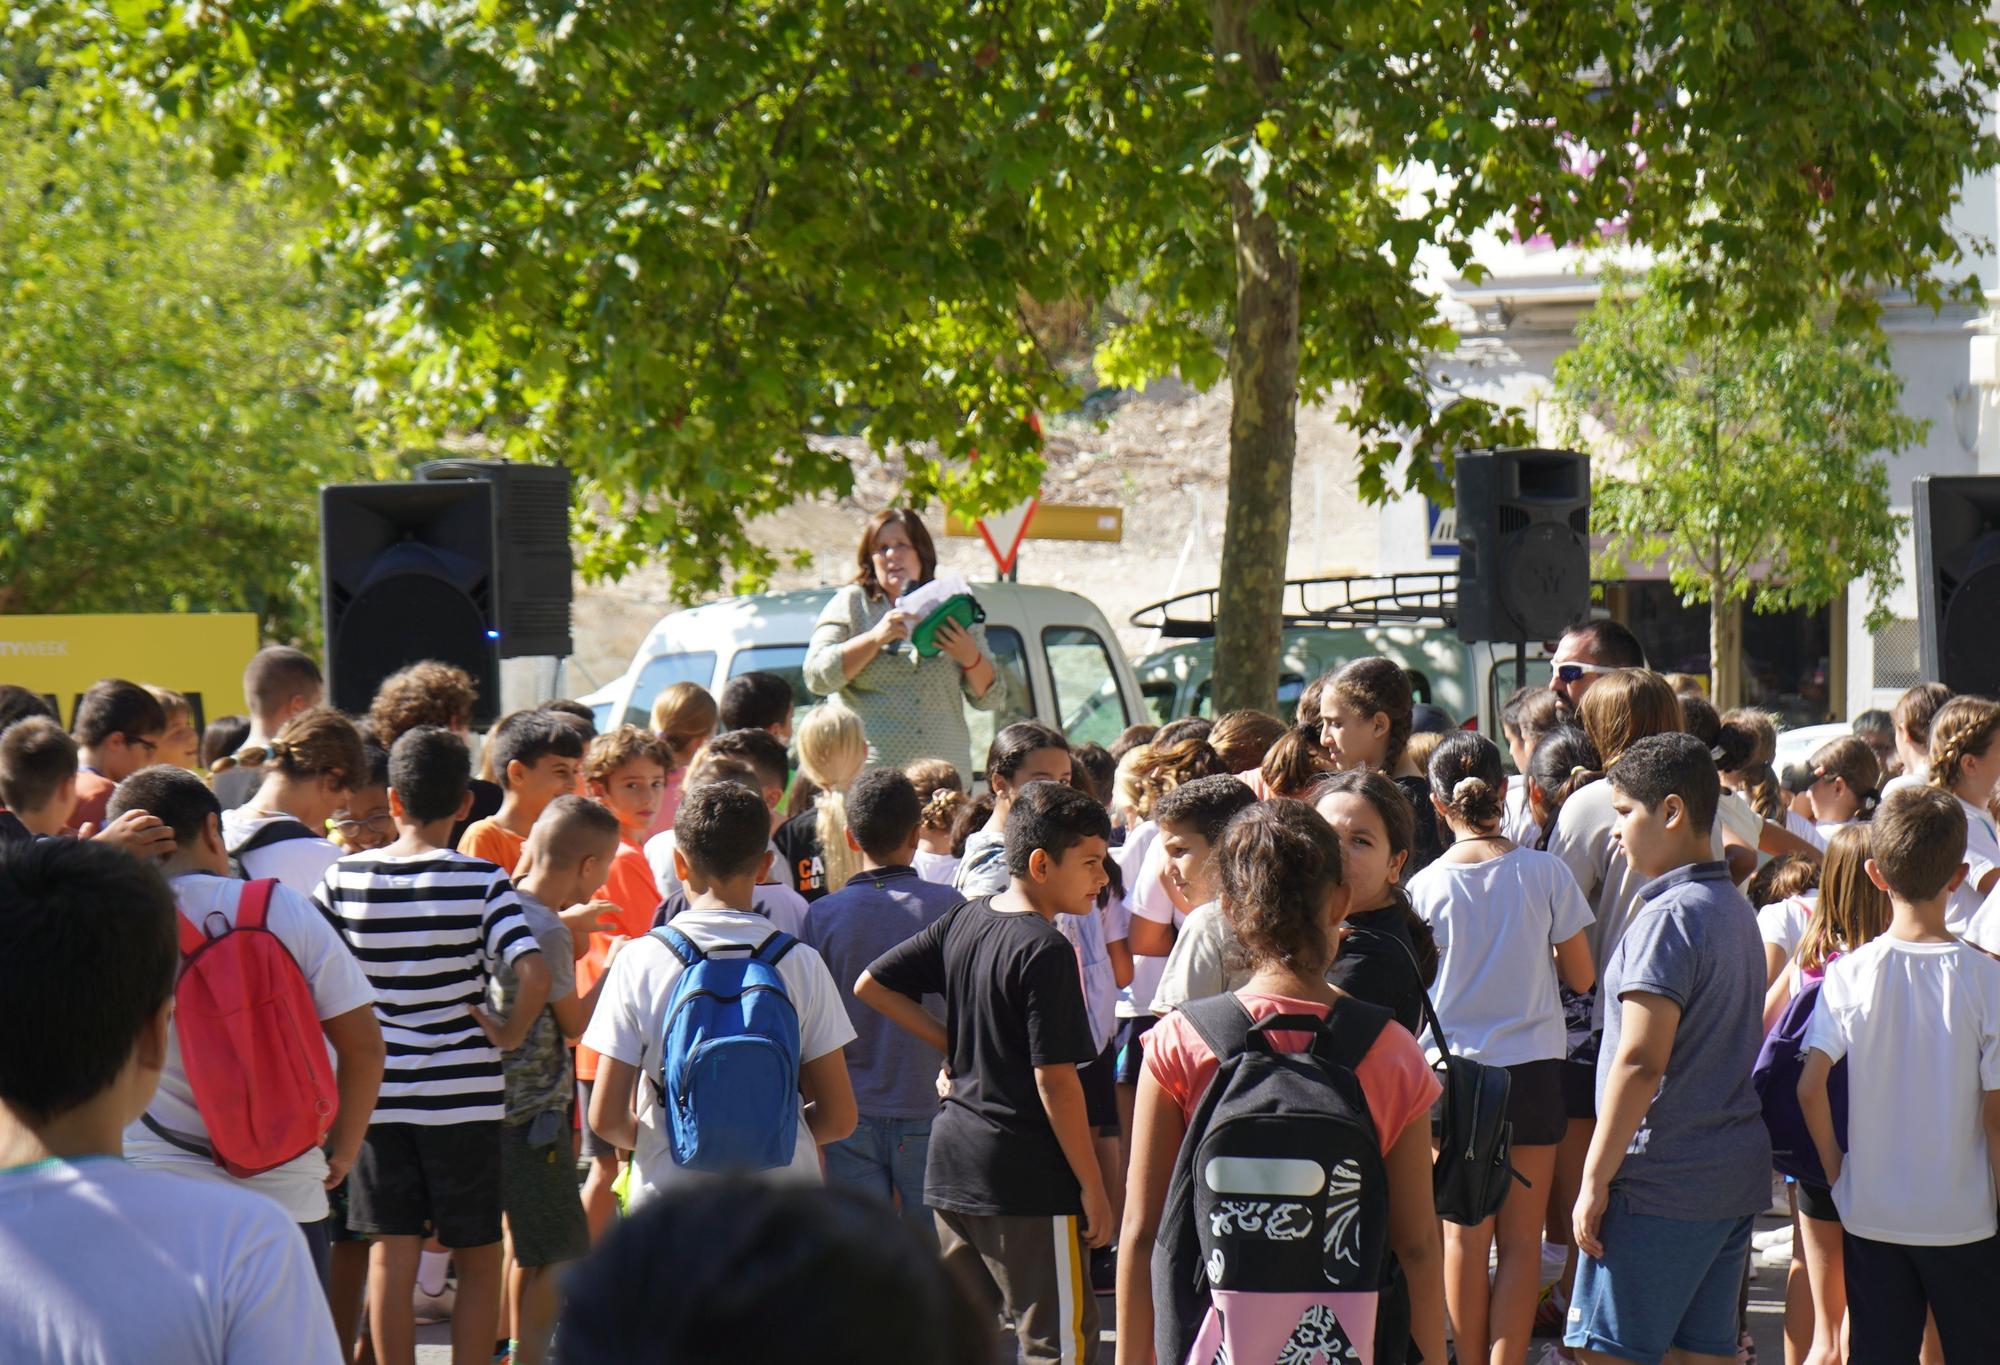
(434, 1307)
(1746, 1350)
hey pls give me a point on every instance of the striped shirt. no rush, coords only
(429, 929)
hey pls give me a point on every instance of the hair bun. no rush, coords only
(1468, 787)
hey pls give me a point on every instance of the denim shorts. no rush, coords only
(1664, 1283)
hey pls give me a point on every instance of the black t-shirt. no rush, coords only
(486, 799)
(1013, 1002)
(797, 842)
(1373, 966)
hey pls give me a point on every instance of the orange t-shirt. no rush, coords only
(631, 888)
(494, 842)
(93, 793)
(1397, 1082)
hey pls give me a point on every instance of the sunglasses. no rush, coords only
(1570, 673)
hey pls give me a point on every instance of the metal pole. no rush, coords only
(1520, 663)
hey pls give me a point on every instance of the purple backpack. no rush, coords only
(1780, 1063)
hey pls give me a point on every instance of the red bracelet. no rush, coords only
(967, 668)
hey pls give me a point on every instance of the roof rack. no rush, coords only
(1352, 600)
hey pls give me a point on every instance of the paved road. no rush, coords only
(1767, 1320)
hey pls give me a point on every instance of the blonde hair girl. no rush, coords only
(832, 750)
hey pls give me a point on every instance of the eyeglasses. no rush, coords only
(134, 742)
(1570, 673)
(381, 824)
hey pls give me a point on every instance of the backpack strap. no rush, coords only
(192, 939)
(679, 944)
(272, 832)
(773, 949)
(253, 904)
(1224, 1025)
(1423, 995)
(1351, 1028)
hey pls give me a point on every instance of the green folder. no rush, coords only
(962, 609)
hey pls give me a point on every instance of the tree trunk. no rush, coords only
(1725, 653)
(1263, 419)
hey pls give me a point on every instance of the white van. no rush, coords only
(1056, 655)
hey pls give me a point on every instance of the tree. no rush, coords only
(668, 242)
(165, 421)
(1754, 458)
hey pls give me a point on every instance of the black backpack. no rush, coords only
(1279, 1187)
(281, 831)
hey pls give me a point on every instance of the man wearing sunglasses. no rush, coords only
(1588, 651)
(118, 729)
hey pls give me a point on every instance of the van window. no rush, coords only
(787, 661)
(1010, 669)
(1086, 685)
(661, 672)
(1159, 695)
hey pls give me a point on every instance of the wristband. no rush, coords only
(967, 668)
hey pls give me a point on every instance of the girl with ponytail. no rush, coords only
(832, 751)
(308, 770)
(1508, 922)
(1366, 710)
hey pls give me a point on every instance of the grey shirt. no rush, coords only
(910, 708)
(1702, 1151)
(538, 1071)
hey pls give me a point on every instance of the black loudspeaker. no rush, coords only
(531, 528)
(1958, 580)
(406, 573)
(1523, 544)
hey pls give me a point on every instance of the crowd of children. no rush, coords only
(1056, 1039)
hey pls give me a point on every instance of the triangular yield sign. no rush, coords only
(1004, 531)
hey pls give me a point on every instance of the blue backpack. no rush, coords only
(1780, 1063)
(729, 1058)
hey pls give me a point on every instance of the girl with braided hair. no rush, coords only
(942, 791)
(1508, 921)
(1966, 762)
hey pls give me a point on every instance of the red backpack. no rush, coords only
(251, 1043)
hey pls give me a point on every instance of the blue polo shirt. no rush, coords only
(1702, 1151)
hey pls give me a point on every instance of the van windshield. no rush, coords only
(787, 661)
(661, 672)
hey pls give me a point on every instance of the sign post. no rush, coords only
(1003, 533)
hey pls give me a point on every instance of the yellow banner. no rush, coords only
(200, 655)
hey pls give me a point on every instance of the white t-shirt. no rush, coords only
(1203, 963)
(338, 985)
(102, 1263)
(1805, 829)
(1919, 1024)
(631, 1017)
(1735, 817)
(1517, 817)
(1982, 855)
(1902, 780)
(1496, 925)
(935, 867)
(1783, 923)
(1146, 897)
(298, 863)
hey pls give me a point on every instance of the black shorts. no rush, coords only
(1579, 1090)
(538, 1190)
(1816, 1202)
(1132, 1056)
(592, 1145)
(412, 1180)
(1100, 1090)
(1535, 1104)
